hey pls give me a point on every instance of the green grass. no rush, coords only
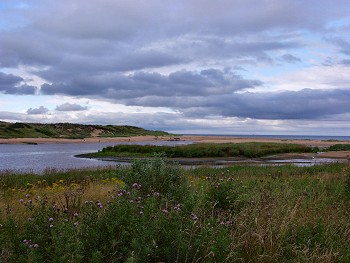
(69, 130)
(165, 214)
(202, 150)
(339, 147)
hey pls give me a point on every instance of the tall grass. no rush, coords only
(157, 212)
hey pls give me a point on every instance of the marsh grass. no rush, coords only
(157, 212)
(202, 150)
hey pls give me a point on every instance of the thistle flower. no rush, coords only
(194, 217)
(165, 211)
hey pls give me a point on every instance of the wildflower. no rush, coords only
(141, 213)
(50, 219)
(35, 245)
(76, 223)
(194, 217)
(131, 201)
(75, 215)
(86, 202)
(165, 211)
(21, 200)
(27, 195)
(51, 226)
(156, 194)
(26, 241)
(177, 208)
(30, 219)
(100, 206)
(29, 201)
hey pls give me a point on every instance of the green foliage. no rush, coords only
(69, 130)
(339, 147)
(157, 175)
(202, 150)
(239, 213)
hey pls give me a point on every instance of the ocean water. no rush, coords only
(285, 137)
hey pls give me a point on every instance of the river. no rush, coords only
(37, 158)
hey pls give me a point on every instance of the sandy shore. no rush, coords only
(198, 139)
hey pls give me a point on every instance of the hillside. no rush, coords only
(69, 130)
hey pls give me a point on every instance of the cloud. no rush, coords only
(289, 58)
(140, 84)
(40, 110)
(70, 107)
(11, 84)
(181, 57)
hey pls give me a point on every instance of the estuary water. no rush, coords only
(37, 158)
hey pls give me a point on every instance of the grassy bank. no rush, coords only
(70, 130)
(156, 212)
(202, 150)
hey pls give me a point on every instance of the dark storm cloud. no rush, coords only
(303, 104)
(69, 38)
(180, 83)
(40, 110)
(11, 84)
(70, 107)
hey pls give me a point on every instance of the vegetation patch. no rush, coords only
(156, 212)
(203, 150)
(69, 130)
(339, 147)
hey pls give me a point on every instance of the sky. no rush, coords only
(187, 66)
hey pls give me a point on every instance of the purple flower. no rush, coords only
(29, 201)
(75, 215)
(194, 217)
(165, 211)
(156, 194)
(21, 200)
(27, 195)
(100, 206)
(50, 219)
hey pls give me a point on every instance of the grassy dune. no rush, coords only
(157, 212)
(69, 130)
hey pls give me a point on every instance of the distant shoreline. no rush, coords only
(191, 138)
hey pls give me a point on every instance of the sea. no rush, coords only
(283, 137)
